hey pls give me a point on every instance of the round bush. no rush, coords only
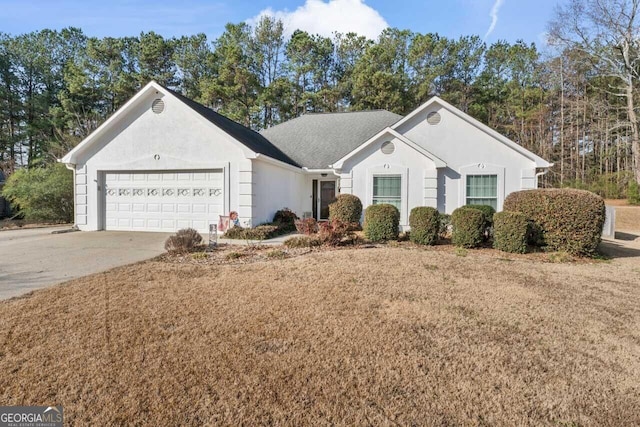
(468, 227)
(425, 225)
(510, 232)
(381, 222)
(347, 208)
(562, 219)
(487, 210)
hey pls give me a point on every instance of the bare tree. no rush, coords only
(608, 32)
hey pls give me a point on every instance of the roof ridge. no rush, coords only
(347, 112)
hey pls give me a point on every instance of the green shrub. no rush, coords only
(562, 219)
(487, 210)
(381, 222)
(347, 208)
(468, 227)
(302, 242)
(633, 193)
(42, 194)
(306, 226)
(425, 225)
(285, 219)
(510, 232)
(261, 232)
(184, 240)
(445, 226)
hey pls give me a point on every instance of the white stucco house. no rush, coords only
(163, 162)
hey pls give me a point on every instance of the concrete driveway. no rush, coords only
(34, 258)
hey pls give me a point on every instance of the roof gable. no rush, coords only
(389, 131)
(539, 161)
(251, 142)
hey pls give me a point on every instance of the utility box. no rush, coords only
(609, 227)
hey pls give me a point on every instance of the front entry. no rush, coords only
(324, 193)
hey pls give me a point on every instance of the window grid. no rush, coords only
(387, 189)
(482, 190)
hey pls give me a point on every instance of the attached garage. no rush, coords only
(163, 162)
(163, 200)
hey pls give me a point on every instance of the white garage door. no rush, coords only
(163, 200)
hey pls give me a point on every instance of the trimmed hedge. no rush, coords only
(381, 222)
(261, 232)
(562, 219)
(487, 210)
(510, 232)
(425, 225)
(468, 227)
(347, 208)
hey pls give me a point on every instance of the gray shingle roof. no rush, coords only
(317, 140)
(246, 136)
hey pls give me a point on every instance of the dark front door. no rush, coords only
(327, 196)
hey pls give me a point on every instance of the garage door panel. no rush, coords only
(163, 201)
(199, 208)
(183, 223)
(215, 208)
(169, 224)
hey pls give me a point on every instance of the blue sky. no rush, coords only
(514, 19)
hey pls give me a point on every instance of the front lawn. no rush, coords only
(379, 336)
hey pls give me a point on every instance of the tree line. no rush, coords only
(573, 104)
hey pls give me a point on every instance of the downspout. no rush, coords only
(72, 167)
(541, 173)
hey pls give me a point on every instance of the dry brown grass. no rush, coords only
(628, 218)
(384, 336)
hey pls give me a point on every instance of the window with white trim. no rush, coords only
(387, 189)
(482, 190)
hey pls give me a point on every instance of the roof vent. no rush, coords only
(434, 118)
(157, 106)
(388, 147)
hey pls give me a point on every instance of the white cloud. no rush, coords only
(319, 17)
(494, 17)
